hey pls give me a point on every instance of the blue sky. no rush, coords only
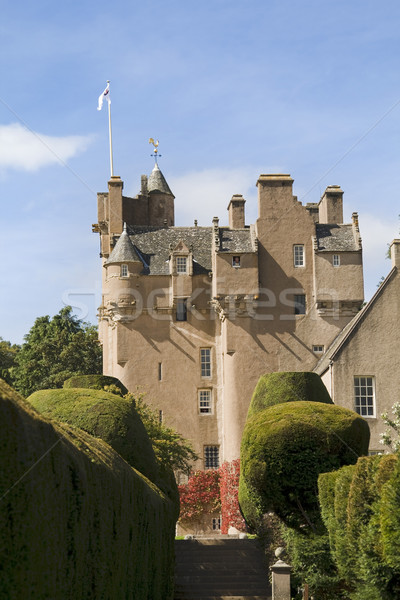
(231, 88)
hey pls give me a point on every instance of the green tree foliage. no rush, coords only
(170, 447)
(8, 352)
(76, 520)
(284, 449)
(54, 350)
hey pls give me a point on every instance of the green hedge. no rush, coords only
(111, 418)
(76, 521)
(95, 382)
(360, 507)
(284, 449)
(277, 388)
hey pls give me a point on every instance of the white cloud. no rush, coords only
(27, 150)
(205, 194)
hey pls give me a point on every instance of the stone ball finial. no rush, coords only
(280, 553)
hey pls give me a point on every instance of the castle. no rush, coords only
(193, 315)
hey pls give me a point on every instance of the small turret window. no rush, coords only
(124, 271)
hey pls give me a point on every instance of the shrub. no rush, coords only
(354, 515)
(111, 418)
(76, 521)
(284, 449)
(96, 382)
(278, 388)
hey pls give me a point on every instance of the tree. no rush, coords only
(391, 439)
(54, 350)
(8, 353)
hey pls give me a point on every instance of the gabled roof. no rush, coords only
(335, 238)
(157, 182)
(123, 251)
(350, 328)
(155, 244)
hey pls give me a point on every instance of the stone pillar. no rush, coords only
(280, 577)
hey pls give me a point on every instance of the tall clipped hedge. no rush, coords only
(284, 449)
(95, 382)
(111, 418)
(360, 507)
(76, 521)
(278, 388)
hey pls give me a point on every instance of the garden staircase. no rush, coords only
(220, 568)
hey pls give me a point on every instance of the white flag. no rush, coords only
(106, 95)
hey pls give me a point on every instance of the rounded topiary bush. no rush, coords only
(277, 388)
(94, 382)
(111, 418)
(284, 449)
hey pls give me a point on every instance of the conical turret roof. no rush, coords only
(157, 182)
(124, 251)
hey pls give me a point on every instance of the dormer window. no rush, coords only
(124, 271)
(181, 265)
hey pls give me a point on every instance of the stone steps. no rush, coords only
(220, 569)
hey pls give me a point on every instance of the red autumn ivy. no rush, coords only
(200, 495)
(212, 491)
(229, 485)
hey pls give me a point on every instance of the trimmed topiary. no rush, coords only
(111, 418)
(77, 521)
(95, 382)
(284, 449)
(278, 388)
(363, 525)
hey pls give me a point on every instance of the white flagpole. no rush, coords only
(110, 137)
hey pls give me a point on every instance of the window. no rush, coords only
(160, 416)
(181, 309)
(159, 371)
(205, 407)
(216, 523)
(336, 260)
(317, 349)
(211, 457)
(124, 271)
(236, 261)
(181, 264)
(205, 362)
(299, 304)
(364, 396)
(298, 255)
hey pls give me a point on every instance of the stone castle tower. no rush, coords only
(192, 316)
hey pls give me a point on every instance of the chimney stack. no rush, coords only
(236, 212)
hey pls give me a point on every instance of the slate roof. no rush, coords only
(335, 238)
(157, 182)
(152, 244)
(123, 251)
(235, 240)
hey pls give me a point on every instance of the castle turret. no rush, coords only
(161, 200)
